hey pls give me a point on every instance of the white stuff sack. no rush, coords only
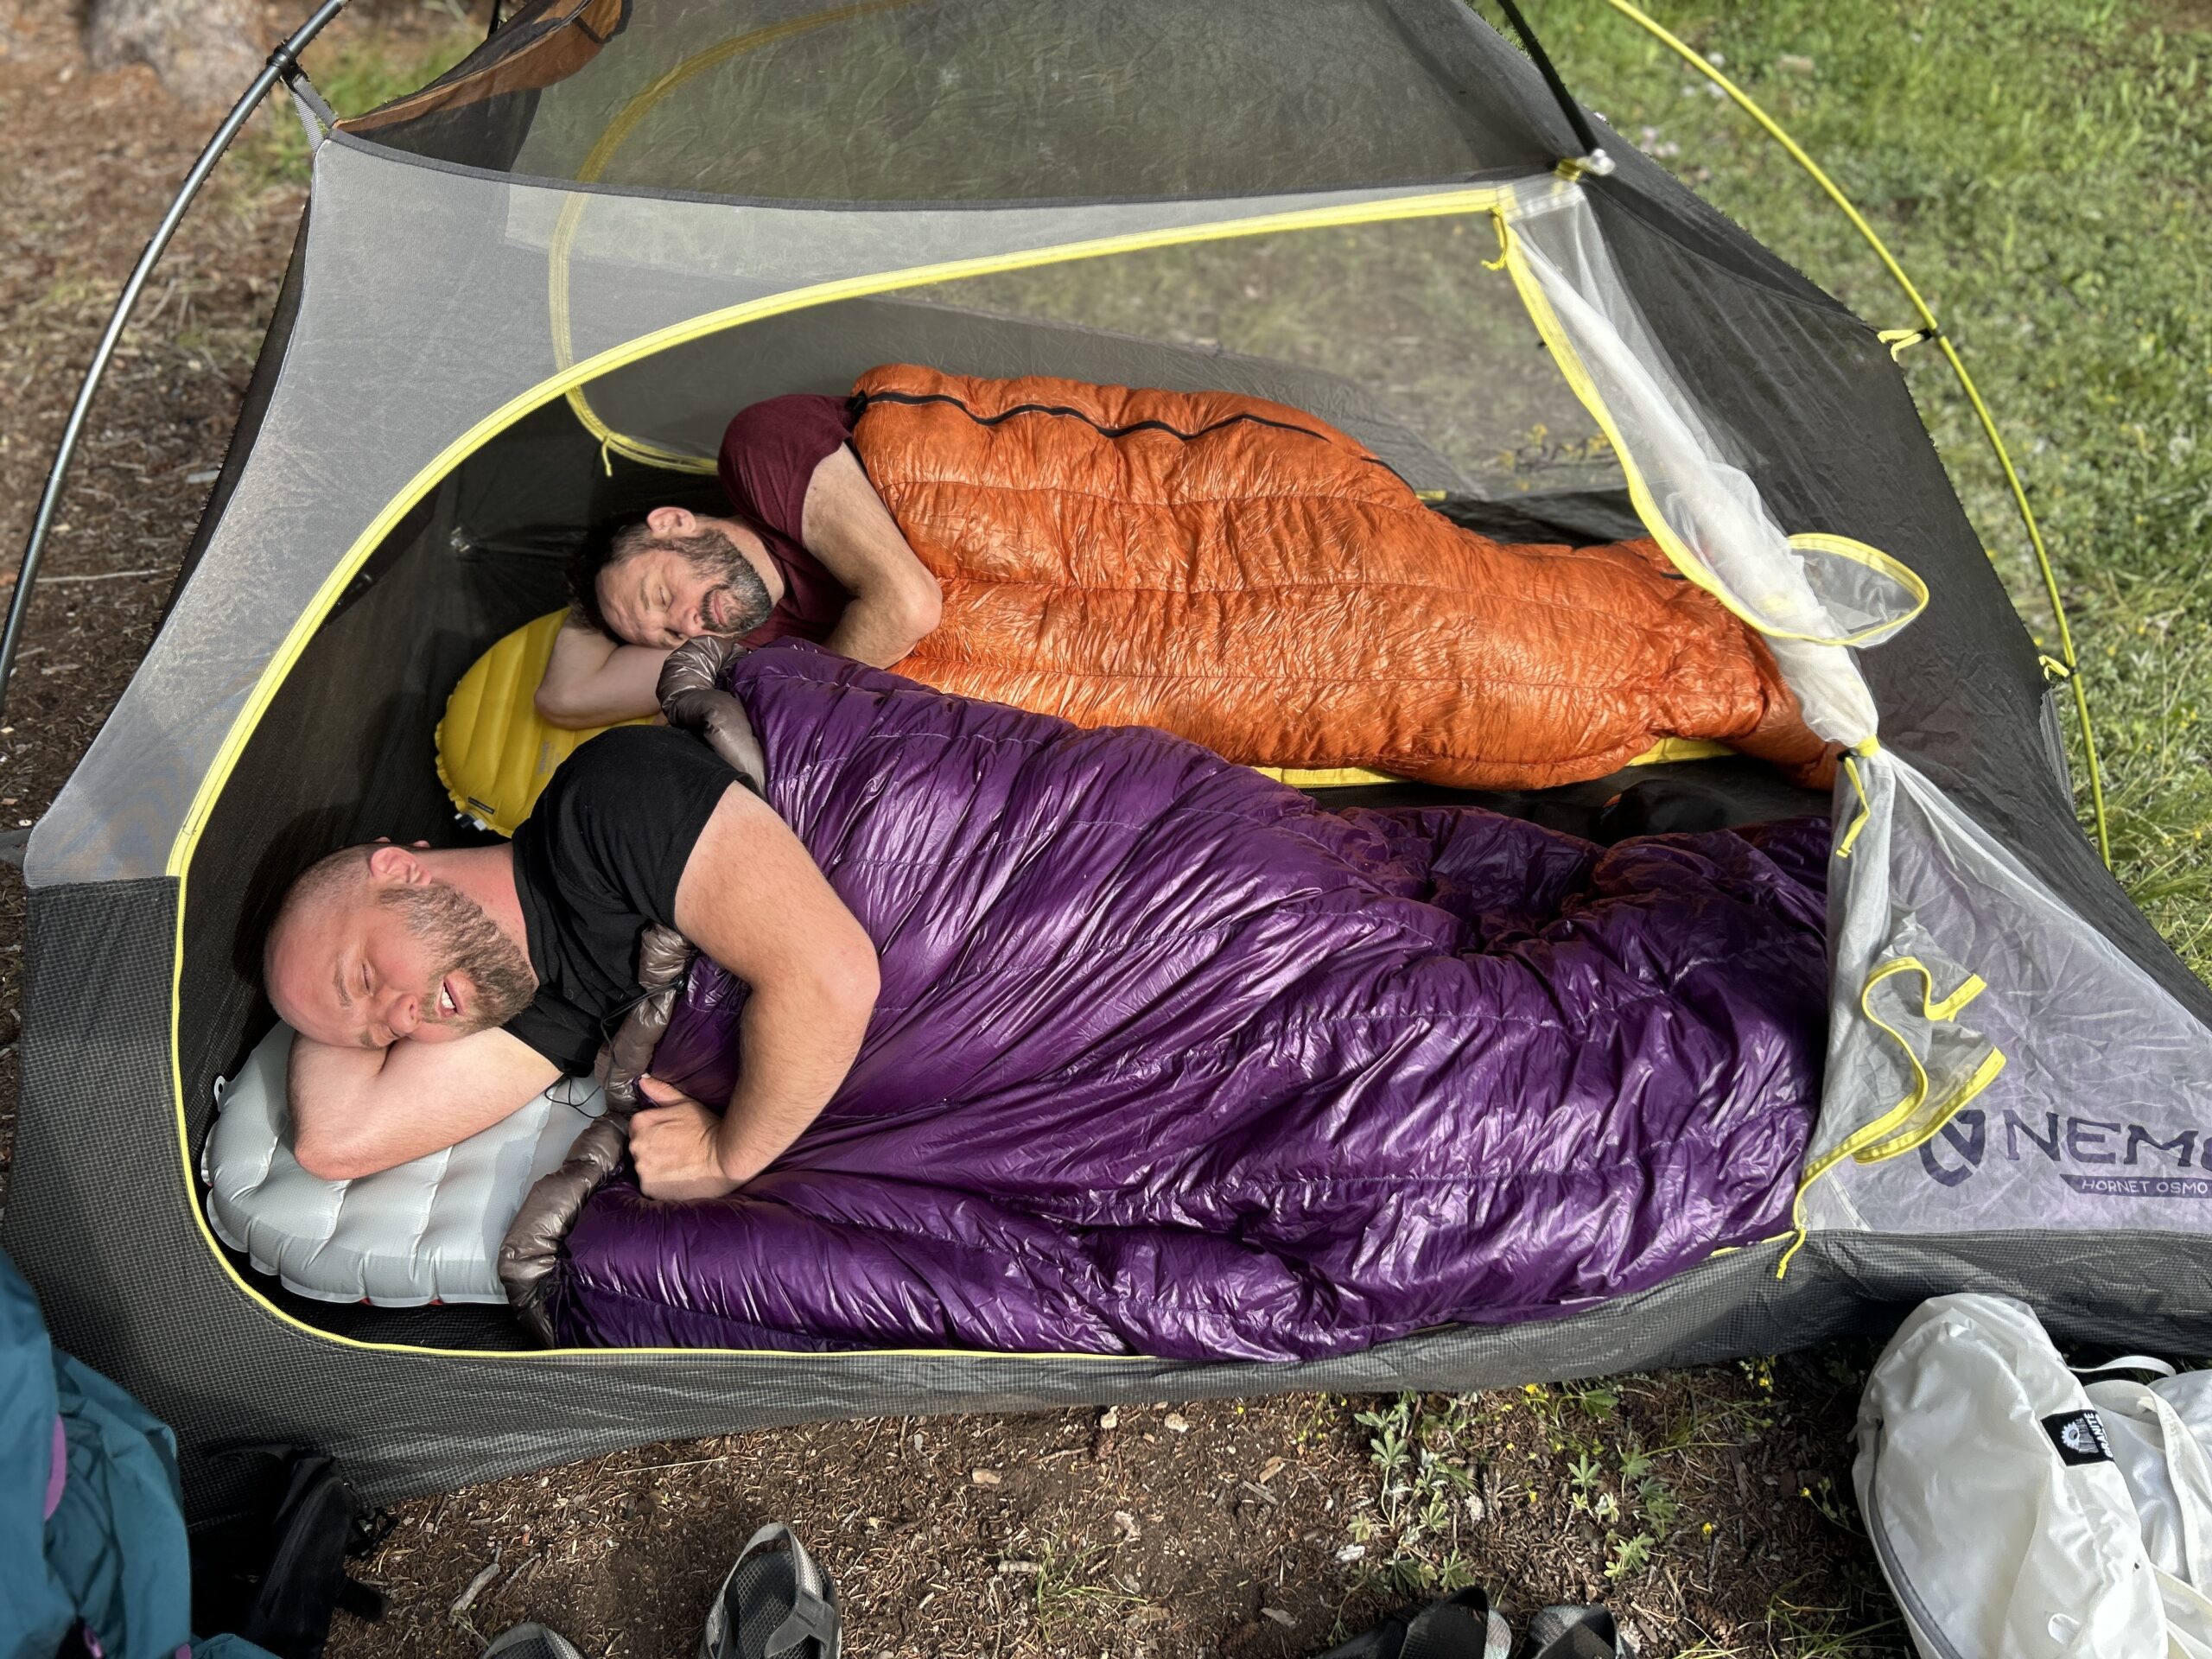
(2011, 1517)
(2158, 1434)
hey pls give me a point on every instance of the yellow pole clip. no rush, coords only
(1897, 339)
(1505, 241)
(1865, 808)
(2053, 669)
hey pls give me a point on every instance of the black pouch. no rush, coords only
(279, 1577)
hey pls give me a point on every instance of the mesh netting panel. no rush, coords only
(398, 368)
(1404, 314)
(970, 100)
(1395, 333)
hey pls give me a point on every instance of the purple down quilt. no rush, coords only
(1169, 1060)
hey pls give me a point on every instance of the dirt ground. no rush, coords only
(1711, 1509)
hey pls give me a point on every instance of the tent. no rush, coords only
(530, 293)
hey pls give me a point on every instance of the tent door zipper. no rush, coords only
(1916, 1611)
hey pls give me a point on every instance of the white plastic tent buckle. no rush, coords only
(1597, 164)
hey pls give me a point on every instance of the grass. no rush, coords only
(2039, 171)
(1443, 1461)
(355, 69)
(1634, 1486)
(1072, 1589)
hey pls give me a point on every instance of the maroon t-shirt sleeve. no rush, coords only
(770, 452)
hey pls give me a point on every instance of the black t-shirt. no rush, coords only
(597, 860)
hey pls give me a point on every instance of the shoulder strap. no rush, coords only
(1463, 1626)
(1572, 1633)
(2124, 1362)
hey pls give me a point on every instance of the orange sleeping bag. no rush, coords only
(1241, 573)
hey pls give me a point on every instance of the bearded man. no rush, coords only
(1114, 1045)
(434, 992)
(810, 552)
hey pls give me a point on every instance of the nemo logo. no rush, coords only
(2100, 1156)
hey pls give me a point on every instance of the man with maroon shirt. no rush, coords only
(811, 550)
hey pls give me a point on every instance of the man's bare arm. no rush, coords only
(845, 525)
(591, 680)
(358, 1110)
(753, 900)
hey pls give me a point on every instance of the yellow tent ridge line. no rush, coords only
(1931, 329)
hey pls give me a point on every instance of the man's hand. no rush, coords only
(672, 1142)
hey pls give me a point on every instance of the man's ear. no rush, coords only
(672, 521)
(397, 866)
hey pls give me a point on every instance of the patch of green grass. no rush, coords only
(1434, 1487)
(2039, 171)
(355, 71)
(1640, 1476)
(1070, 1587)
(1862, 1623)
(1424, 1481)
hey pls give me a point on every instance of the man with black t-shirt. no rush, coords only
(434, 992)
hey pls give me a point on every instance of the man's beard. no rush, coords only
(464, 938)
(739, 601)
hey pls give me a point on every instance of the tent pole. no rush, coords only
(1594, 158)
(1930, 329)
(281, 66)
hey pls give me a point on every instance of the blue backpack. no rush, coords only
(92, 1523)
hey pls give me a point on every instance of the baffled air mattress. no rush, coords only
(1169, 1060)
(425, 1231)
(1242, 573)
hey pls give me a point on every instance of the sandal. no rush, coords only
(1461, 1626)
(531, 1642)
(775, 1603)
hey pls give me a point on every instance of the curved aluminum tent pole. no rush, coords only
(281, 66)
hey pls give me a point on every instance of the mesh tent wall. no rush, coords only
(633, 203)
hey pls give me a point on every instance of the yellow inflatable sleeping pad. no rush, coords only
(1667, 748)
(496, 753)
